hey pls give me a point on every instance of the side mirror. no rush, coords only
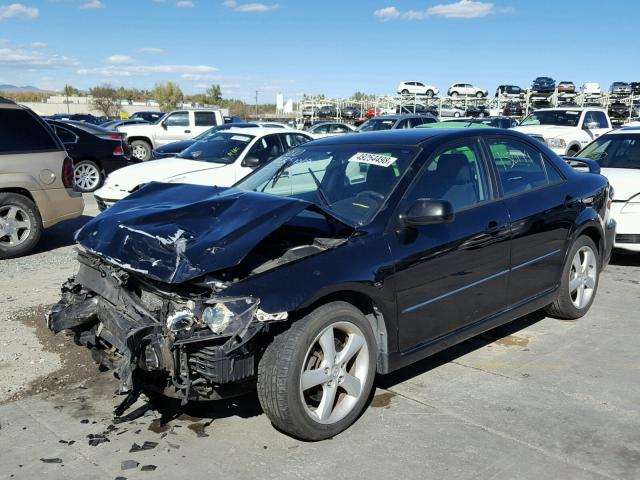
(591, 125)
(428, 211)
(163, 125)
(251, 162)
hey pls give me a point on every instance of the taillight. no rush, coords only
(118, 150)
(67, 172)
(115, 136)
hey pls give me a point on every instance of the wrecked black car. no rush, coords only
(342, 258)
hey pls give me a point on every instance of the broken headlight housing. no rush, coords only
(230, 315)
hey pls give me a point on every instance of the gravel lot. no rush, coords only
(540, 398)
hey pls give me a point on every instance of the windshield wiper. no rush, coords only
(278, 174)
(321, 193)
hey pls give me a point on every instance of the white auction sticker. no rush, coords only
(240, 138)
(373, 159)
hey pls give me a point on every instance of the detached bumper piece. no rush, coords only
(120, 319)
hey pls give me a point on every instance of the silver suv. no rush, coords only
(36, 180)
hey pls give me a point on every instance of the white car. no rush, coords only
(219, 159)
(449, 110)
(417, 88)
(329, 129)
(566, 130)
(618, 153)
(466, 90)
(591, 89)
(174, 126)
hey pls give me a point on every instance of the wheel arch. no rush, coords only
(130, 140)
(19, 191)
(372, 311)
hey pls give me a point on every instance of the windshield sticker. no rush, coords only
(240, 138)
(572, 112)
(381, 160)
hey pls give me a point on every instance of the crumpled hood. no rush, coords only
(547, 131)
(155, 171)
(176, 232)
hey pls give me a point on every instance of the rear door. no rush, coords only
(203, 121)
(541, 210)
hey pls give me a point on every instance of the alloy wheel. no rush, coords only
(15, 225)
(334, 372)
(86, 176)
(582, 277)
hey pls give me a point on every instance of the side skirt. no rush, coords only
(397, 360)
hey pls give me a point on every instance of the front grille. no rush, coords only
(627, 238)
(215, 366)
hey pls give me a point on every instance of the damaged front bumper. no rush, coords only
(195, 347)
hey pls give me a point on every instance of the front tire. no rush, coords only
(20, 225)
(454, 94)
(314, 379)
(141, 150)
(579, 284)
(87, 176)
(456, 114)
(405, 92)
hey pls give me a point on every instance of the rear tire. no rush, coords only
(87, 176)
(479, 95)
(141, 150)
(314, 379)
(430, 93)
(579, 284)
(20, 225)
(572, 152)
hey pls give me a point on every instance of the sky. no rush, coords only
(309, 47)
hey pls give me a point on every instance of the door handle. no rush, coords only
(493, 227)
(187, 131)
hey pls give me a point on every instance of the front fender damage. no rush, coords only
(122, 320)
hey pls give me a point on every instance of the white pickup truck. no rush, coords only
(566, 130)
(174, 126)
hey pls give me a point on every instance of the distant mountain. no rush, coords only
(15, 88)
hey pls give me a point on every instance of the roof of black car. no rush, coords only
(403, 136)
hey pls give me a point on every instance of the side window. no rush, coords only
(205, 119)
(65, 135)
(601, 118)
(178, 119)
(339, 129)
(456, 175)
(414, 122)
(403, 123)
(266, 149)
(294, 139)
(21, 132)
(552, 173)
(321, 129)
(519, 165)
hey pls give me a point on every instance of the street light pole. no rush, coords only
(257, 104)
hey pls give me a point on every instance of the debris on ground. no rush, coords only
(128, 464)
(145, 446)
(51, 460)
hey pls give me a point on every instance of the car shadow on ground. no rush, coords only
(625, 259)
(455, 352)
(60, 235)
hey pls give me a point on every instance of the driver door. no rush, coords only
(265, 149)
(174, 128)
(448, 276)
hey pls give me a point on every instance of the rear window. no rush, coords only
(20, 132)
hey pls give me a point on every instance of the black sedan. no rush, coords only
(346, 257)
(96, 152)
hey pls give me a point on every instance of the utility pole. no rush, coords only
(257, 104)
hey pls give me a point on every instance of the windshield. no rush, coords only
(614, 151)
(377, 124)
(351, 181)
(561, 118)
(219, 147)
